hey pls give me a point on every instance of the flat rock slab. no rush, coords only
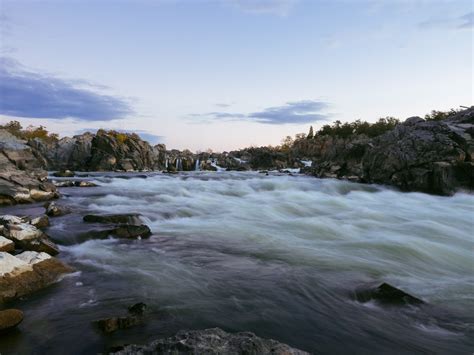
(28, 272)
(213, 341)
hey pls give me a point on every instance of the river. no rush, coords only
(277, 255)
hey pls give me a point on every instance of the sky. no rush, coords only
(227, 74)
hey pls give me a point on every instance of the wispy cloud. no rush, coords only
(296, 112)
(273, 7)
(145, 135)
(24, 93)
(465, 21)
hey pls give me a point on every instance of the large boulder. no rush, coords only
(22, 179)
(213, 341)
(28, 272)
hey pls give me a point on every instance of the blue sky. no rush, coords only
(232, 73)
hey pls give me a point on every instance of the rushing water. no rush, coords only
(277, 255)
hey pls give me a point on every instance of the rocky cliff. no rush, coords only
(102, 151)
(22, 179)
(417, 155)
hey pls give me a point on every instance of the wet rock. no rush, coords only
(64, 173)
(213, 341)
(6, 245)
(127, 218)
(387, 294)
(25, 273)
(55, 210)
(28, 237)
(10, 318)
(40, 221)
(131, 231)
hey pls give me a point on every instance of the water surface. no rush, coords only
(277, 255)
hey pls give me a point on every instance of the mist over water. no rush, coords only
(277, 255)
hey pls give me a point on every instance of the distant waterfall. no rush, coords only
(179, 164)
(166, 163)
(197, 167)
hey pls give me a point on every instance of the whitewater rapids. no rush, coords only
(277, 255)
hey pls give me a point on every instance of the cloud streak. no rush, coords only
(296, 112)
(24, 93)
(272, 7)
(463, 22)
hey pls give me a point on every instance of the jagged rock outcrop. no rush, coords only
(71, 153)
(417, 155)
(22, 179)
(213, 342)
(102, 151)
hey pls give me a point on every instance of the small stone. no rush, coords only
(10, 318)
(40, 221)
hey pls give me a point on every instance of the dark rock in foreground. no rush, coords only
(387, 294)
(213, 341)
(10, 318)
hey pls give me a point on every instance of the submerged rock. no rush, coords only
(126, 218)
(28, 272)
(109, 325)
(388, 294)
(138, 308)
(213, 341)
(10, 318)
